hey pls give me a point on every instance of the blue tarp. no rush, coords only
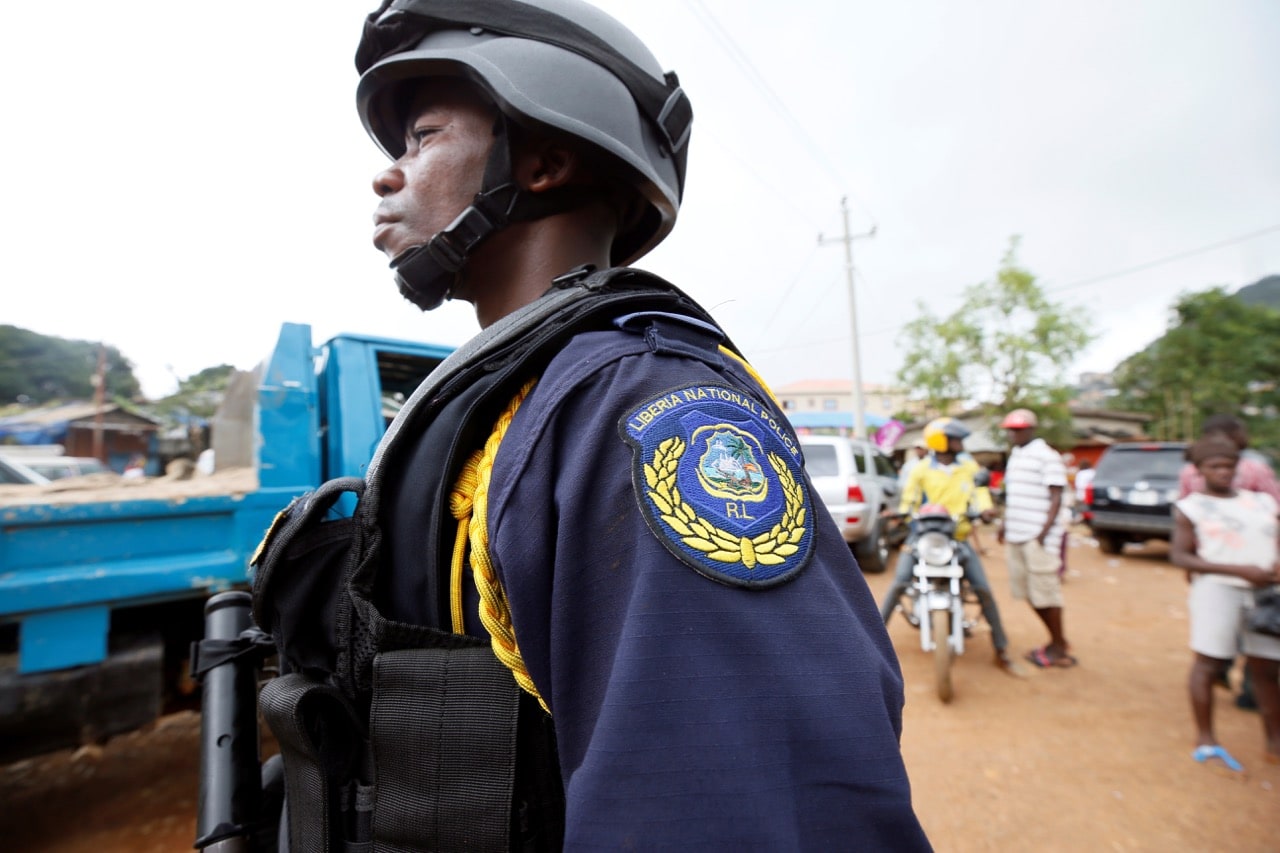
(832, 420)
(16, 431)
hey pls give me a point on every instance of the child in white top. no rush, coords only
(1227, 539)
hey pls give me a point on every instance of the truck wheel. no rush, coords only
(873, 550)
(1110, 543)
(940, 621)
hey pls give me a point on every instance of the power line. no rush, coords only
(820, 302)
(809, 344)
(753, 172)
(786, 293)
(1161, 261)
(1129, 270)
(744, 63)
(805, 345)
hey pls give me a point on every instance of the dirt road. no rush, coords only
(1097, 757)
(1092, 758)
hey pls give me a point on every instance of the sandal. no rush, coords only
(1211, 751)
(1042, 659)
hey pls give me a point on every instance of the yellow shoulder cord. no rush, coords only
(468, 502)
(752, 372)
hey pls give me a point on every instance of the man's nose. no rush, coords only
(388, 181)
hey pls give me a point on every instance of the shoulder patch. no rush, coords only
(720, 482)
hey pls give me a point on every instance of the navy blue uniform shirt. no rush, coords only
(717, 672)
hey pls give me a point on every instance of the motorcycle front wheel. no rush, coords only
(907, 603)
(940, 622)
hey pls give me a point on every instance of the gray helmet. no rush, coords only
(558, 64)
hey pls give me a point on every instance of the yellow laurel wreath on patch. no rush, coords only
(769, 549)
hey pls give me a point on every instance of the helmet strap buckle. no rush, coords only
(426, 275)
(452, 246)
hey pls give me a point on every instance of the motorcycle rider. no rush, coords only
(943, 478)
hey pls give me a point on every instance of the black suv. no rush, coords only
(1132, 494)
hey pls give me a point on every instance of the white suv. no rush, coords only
(41, 470)
(856, 482)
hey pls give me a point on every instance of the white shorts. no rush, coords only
(1217, 622)
(1033, 573)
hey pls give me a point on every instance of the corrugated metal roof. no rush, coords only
(57, 414)
(68, 412)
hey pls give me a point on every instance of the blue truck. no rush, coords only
(101, 598)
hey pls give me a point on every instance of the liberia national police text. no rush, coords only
(586, 600)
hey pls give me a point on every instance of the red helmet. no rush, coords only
(1019, 419)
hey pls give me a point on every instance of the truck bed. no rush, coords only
(72, 552)
(76, 559)
(108, 488)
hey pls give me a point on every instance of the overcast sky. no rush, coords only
(178, 179)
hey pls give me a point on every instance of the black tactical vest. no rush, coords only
(405, 736)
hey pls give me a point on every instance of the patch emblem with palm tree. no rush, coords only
(719, 478)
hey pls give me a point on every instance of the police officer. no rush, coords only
(643, 545)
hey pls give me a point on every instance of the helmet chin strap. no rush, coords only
(429, 274)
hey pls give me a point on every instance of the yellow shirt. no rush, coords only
(949, 485)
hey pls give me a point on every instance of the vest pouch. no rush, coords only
(442, 728)
(321, 740)
(299, 579)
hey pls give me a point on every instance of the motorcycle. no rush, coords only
(939, 602)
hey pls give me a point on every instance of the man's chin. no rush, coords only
(384, 239)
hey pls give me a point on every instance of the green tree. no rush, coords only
(209, 379)
(37, 368)
(1006, 346)
(199, 394)
(1219, 355)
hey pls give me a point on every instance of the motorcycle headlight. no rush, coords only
(935, 549)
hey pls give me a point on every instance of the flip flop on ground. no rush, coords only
(1214, 752)
(1041, 658)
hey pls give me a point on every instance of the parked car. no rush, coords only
(14, 473)
(41, 470)
(1132, 494)
(856, 482)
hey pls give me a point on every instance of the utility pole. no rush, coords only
(859, 415)
(99, 399)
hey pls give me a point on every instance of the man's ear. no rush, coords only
(545, 165)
